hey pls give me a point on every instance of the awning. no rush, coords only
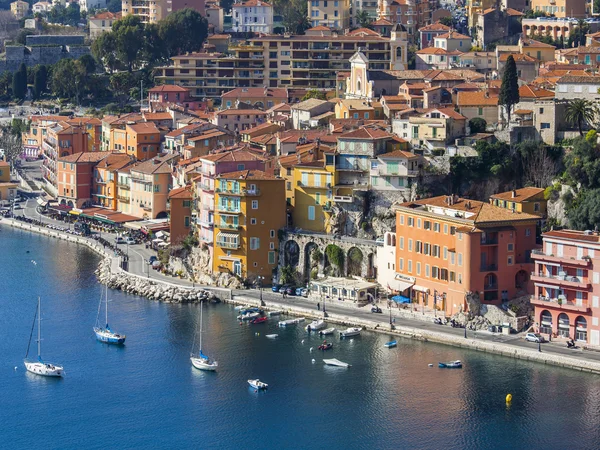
(162, 234)
(400, 285)
(227, 235)
(400, 299)
(421, 289)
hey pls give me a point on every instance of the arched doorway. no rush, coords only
(162, 215)
(312, 259)
(581, 329)
(521, 279)
(546, 322)
(291, 253)
(355, 259)
(563, 325)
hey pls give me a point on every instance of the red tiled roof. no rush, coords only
(247, 175)
(182, 192)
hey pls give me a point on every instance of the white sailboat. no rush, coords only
(105, 334)
(202, 362)
(39, 367)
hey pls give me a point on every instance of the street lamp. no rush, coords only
(260, 286)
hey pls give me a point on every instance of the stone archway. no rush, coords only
(546, 322)
(162, 215)
(521, 279)
(355, 260)
(581, 329)
(291, 253)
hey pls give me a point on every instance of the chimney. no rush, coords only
(514, 194)
(454, 199)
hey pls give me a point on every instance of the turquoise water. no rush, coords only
(146, 394)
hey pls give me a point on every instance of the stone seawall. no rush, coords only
(109, 272)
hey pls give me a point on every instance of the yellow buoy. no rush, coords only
(508, 398)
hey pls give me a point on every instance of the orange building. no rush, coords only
(61, 140)
(75, 175)
(105, 191)
(8, 188)
(140, 140)
(180, 213)
(249, 210)
(447, 247)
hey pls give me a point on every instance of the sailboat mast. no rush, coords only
(39, 327)
(201, 311)
(106, 298)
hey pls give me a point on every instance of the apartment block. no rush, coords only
(106, 189)
(249, 210)
(180, 214)
(310, 61)
(411, 14)
(8, 188)
(313, 183)
(149, 11)
(561, 8)
(253, 16)
(448, 247)
(75, 178)
(138, 140)
(150, 185)
(567, 285)
(334, 14)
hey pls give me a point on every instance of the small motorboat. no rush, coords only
(326, 346)
(257, 384)
(286, 323)
(349, 332)
(451, 365)
(327, 331)
(299, 320)
(272, 336)
(336, 362)
(259, 320)
(390, 344)
(240, 307)
(315, 325)
(249, 316)
(275, 313)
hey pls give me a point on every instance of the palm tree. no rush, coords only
(580, 111)
(362, 19)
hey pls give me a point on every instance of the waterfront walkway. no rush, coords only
(343, 312)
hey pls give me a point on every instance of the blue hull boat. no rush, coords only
(450, 365)
(390, 344)
(107, 336)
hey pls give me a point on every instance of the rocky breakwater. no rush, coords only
(150, 289)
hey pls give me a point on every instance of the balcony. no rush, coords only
(251, 192)
(205, 223)
(100, 181)
(123, 186)
(123, 199)
(313, 185)
(488, 267)
(489, 241)
(539, 255)
(207, 187)
(229, 226)
(343, 199)
(228, 209)
(207, 206)
(567, 281)
(547, 302)
(206, 239)
(146, 208)
(230, 245)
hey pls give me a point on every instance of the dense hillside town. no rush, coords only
(444, 154)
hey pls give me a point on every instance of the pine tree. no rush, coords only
(40, 81)
(509, 90)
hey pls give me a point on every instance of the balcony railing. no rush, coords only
(123, 186)
(563, 280)
(229, 209)
(146, 207)
(488, 267)
(230, 226)
(231, 245)
(541, 300)
(123, 199)
(563, 260)
(489, 241)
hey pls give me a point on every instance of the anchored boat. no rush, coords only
(451, 365)
(39, 367)
(390, 344)
(315, 325)
(327, 331)
(257, 384)
(105, 334)
(349, 332)
(336, 362)
(202, 362)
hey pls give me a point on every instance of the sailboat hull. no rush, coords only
(109, 337)
(44, 369)
(202, 364)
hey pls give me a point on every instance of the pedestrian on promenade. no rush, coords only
(319, 306)
(284, 294)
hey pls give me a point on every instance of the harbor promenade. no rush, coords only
(390, 321)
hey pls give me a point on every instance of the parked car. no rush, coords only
(299, 291)
(152, 259)
(534, 337)
(376, 309)
(130, 240)
(291, 290)
(304, 292)
(284, 288)
(119, 240)
(276, 287)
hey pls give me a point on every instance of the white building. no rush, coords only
(252, 16)
(41, 7)
(85, 5)
(386, 263)
(395, 171)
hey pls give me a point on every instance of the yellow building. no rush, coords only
(8, 189)
(313, 195)
(528, 200)
(537, 49)
(249, 210)
(561, 8)
(333, 14)
(19, 9)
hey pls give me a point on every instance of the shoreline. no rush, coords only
(167, 292)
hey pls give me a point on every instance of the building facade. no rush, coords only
(252, 16)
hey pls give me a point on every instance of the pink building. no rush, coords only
(567, 285)
(166, 94)
(213, 165)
